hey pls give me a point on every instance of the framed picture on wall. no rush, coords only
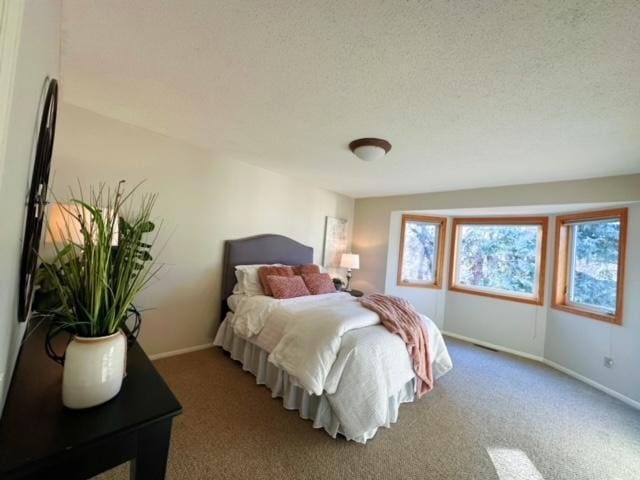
(335, 241)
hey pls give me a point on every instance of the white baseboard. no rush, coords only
(495, 347)
(594, 384)
(181, 351)
(623, 398)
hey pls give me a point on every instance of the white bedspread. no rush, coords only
(332, 345)
(310, 344)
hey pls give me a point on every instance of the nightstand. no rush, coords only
(354, 293)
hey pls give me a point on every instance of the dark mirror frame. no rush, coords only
(37, 201)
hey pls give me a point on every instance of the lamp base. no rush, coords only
(348, 287)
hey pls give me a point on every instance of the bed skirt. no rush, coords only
(310, 407)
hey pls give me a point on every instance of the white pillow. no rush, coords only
(238, 288)
(248, 280)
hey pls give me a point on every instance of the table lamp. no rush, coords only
(350, 261)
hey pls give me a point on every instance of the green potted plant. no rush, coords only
(102, 261)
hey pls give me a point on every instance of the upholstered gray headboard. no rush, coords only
(255, 250)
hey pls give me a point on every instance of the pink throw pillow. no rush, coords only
(287, 287)
(265, 272)
(319, 283)
(305, 268)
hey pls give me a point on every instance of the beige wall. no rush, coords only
(372, 215)
(37, 58)
(203, 201)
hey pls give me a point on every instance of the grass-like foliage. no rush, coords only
(94, 276)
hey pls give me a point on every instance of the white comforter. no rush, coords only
(331, 344)
(310, 344)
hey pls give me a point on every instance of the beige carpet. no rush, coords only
(495, 416)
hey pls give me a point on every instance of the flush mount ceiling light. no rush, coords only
(370, 149)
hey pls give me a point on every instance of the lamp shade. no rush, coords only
(65, 227)
(369, 153)
(350, 260)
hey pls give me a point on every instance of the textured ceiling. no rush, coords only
(470, 94)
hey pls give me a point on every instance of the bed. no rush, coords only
(325, 355)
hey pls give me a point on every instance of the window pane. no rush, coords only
(594, 271)
(499, 257)
(419, 253)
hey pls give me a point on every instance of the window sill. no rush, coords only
(603, 317)
(435, 286)
(511, 298)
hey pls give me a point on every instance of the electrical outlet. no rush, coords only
(608, 362)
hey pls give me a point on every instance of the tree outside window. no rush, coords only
(421, 251)
(500, 257)
(589, 264)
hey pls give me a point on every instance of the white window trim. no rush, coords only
(571, 270)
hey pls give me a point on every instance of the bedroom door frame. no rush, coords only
(11, 15)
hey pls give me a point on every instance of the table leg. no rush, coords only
(150, 462)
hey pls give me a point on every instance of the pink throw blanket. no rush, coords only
(399, 317)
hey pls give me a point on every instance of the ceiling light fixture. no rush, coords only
(370, 149)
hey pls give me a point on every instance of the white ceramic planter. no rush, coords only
(93, 370)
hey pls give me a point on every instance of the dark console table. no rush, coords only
(39, 438)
